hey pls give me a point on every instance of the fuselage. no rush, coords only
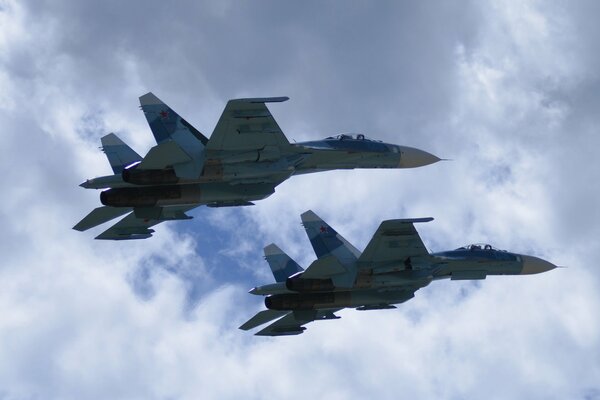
(235, 177)
(396, 284)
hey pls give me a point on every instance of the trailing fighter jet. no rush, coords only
(246, 157)
(394, 265)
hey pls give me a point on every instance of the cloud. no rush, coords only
(505, 90)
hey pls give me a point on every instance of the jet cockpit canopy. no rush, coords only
(350, 136)
(479, 246)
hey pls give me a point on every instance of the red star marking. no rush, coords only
(323, 229)
(164, 114)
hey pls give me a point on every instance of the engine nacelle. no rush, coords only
(150, 176)
(139, 197)
(297, 284)
(299, 301)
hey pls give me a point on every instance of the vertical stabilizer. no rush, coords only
(167, 125)
(326, 241)
(164, 122)
(281, 264)
(118, 153)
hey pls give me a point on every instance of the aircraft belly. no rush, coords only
(330, 160)
(170, 195)
(326, 300)
(265, 171)
(478, 269)
(215, 193)
(397, 279)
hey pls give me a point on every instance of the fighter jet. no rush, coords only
(394, 265)
(246, 157)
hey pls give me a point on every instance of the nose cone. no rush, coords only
(534, 265)
(412, 158)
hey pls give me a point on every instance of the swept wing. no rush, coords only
(395, 240)
(247, 124)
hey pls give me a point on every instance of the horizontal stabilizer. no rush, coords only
(163, 155)
(292, 323)
(285, 326)
(125, 236)
(136, 225)
(323, 268)
(126, 233)
(99, 216)
(262, 318)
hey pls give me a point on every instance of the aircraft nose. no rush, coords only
(412, 158)
(534, 265)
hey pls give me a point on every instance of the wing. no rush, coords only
(247, 124)
(292, 323)
(137, 224)
(394, 240)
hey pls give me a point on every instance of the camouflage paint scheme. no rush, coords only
(393, 266)
(246, 157)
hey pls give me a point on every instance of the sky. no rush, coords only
(507, 90)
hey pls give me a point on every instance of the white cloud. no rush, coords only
(502, 90)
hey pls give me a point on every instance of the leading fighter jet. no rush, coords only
(394, 265)
(246, 157)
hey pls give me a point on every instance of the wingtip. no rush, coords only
(261, 99)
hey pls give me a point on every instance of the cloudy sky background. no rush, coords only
(507, 90)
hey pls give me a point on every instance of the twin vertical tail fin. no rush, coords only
(118, 153)
(165, 123)
(332, 250)
(326, 241)
(281, 264)
(171, 130)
